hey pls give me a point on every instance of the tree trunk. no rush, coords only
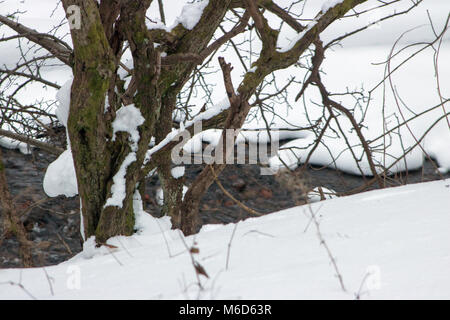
(95, 156)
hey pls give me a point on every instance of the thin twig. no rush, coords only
(324, 243)
(229, 245)
(229, 195)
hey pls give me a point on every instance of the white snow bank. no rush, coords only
(437, 146)
(335, 154)
(9, 143)
(250, 133)
(439, 150)
(399, 235)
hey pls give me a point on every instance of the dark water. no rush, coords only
(53, 223)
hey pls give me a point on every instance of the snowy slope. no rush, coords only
(399, 235)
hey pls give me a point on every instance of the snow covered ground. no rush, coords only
(388, 244)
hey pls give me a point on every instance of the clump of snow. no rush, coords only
(122, 72)
(299, 36)
(118, 189)
(330, 4)
(83, 235)
(191, 14)
(160, 195)
(90, 249)
(439, 149)
(325, 7)
(315, 194)
(210, 113)
(157, 24)
(128, 119)
(63, 96)
(162, 144)
(177, 172)
(106, 106)
(60, 177)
